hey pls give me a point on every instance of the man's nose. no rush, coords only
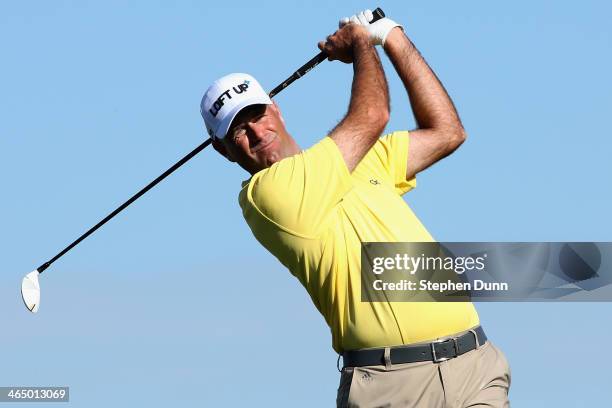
(256, 130)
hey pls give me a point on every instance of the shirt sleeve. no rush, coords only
(392, 152)
(299, 193)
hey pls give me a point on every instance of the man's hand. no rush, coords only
(378, 31)
(341, 44)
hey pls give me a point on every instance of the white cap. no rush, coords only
(226, 97)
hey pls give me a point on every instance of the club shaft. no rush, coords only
(126, 204)
(316, 60)
(303, 70)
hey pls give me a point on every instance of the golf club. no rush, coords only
(30, 286)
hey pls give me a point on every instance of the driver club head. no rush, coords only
(30, 291)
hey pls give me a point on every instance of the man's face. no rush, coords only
(257, 138)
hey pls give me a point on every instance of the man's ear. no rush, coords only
(276, 109)
(220, 147)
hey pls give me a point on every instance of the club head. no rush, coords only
(30, 291)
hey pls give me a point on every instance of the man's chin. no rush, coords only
(272, 158)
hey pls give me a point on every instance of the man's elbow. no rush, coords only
(378, 119)
(456, 137)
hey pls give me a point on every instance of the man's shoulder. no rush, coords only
(386, 148)
(298, 192)
(283, 174)
(391, 142)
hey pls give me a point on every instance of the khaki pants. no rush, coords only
(478, 378)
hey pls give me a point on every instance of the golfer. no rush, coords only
(312, 209)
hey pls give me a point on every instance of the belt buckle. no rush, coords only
(433, 349)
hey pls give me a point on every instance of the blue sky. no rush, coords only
(173, 302)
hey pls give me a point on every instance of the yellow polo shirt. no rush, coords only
(312, 214)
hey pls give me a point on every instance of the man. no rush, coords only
(313, 208)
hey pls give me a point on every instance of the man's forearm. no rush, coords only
(431, 105)
(368, 111)
(369, 91)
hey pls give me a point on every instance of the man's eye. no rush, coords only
(237, 133)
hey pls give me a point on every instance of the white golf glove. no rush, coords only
(378, 30)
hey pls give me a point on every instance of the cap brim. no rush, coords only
(227, 120)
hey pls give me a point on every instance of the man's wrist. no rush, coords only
(395, 37)
(359, 32)
(361, 39)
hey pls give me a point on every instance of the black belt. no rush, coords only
(435, 351)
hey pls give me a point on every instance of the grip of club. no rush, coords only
(378, 13)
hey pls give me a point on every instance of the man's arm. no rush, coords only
(440, 131)
(368, 111)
